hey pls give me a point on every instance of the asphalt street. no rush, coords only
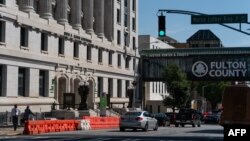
(187, 133)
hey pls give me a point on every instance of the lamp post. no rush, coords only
(83, 91)
(203, 98)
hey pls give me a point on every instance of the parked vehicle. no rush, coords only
(138, 120)
(214, 117)
(188, 116)
(172, 117)
(163, 119)
(236, 106)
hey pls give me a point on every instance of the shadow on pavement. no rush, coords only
(208, 131)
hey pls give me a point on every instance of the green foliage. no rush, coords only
(177, 86)
(213, 91)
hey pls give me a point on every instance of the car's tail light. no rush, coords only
(138, 118)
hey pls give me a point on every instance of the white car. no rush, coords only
(138, 120)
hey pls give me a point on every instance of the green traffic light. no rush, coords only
(162, 33)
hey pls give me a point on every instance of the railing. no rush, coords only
(6, 118)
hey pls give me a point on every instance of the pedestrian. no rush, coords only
(15, 112)
(27, 114)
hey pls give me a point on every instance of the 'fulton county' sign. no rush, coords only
(221, 70)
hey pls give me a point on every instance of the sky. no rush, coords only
(179, 27)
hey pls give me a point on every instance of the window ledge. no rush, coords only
(61, 55)
(119, 67)
(89, 61)
(2, 5)
(24, 48)
(3, 44)
(76, 58)
(44, 52)
(100, 63)
(110, 65)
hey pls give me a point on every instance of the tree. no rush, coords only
(177, 87)
(213, 91)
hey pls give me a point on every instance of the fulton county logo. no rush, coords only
(199, 69)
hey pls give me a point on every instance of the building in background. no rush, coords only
(48, 46)
(155, 91)
(204, 38)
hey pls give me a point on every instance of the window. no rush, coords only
(133, 24)
(159, 87)
(2, 31)
(127, 62)
(1, 80)
(36, 6)
(127, 85)
(21, 81)
(118, 20)
(76, 50)
(110, 87)
(126, 3)
(42, 82)
(89, 53)
(119, 60)
(99, 55)
(118, 37)
(61, 46)
(134, 5)
(2, 1)
(44, 42)
(125, 19)
(119, 88)
(134, 43)
(134, 64)
(100, 85)
(153, 87)
(24, 37)
(207, 45)
(110, 58)
(54, 10)
(126, 39)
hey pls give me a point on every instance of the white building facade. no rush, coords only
(154, 91)
(48, 46)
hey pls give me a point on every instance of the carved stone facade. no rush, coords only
(47, 47)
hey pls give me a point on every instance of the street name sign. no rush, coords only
(218, 19)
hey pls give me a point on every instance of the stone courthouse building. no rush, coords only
(48, 46)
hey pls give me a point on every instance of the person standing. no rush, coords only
(15, 112)
(27, 114)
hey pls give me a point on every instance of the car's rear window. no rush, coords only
(159, 115)
(133, 114)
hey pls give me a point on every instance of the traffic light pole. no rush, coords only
(197, 13)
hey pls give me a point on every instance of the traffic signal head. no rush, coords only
(161, 26)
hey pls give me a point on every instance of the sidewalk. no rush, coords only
(9, 131)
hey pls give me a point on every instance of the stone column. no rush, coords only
(33, 79)
(61, 11)
(11, 81)
(99, 17)
(26, 5)
(45, 8)
(76, 13)
(88, 6)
